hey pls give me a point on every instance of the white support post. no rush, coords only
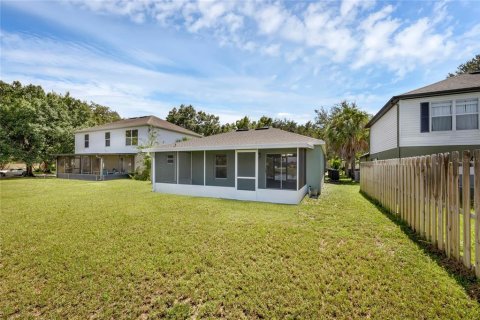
(298, 149)
(236, 168)
(101, 168)
(204, 166)
(177, 167)
(152, 171)
(256, 170)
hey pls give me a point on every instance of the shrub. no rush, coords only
(335, 163)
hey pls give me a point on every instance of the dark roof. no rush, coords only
(462, 83)
(265, 138)
(141, 121)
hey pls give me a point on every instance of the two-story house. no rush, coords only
(112, 150)
(441, 117)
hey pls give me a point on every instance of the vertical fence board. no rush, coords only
(476, 175)
(466, 209)
(425, 192)
(441, 174)
(434, 198)
(455, 205)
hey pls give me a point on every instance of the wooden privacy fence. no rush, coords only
(426, 192)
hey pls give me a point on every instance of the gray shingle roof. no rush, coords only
(141, 121)
(468, 82)
(460, 82)
(265, 138)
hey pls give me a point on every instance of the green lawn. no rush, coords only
(76, 249)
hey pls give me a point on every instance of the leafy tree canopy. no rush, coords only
(35, 125)
(469, 66)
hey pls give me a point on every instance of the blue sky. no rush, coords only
(235, 58)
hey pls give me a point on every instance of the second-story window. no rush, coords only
(87, 140)
(131, 137)
(466, 111)
(441, 116)
(107, 139)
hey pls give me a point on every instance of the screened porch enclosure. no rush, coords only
(95, 167)
(246, 170)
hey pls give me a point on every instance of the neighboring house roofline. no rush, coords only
(149, 121)
(471, 84)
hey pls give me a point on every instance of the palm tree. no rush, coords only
(346, 133)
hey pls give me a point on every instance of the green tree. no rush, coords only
(102, 114)
(469, 66)
(184, 116)
(264, 121)
(207, 124)
(346, 133)
(34, 125)
(22, 123)
(196, 121)
(285, 124)
(243, 124)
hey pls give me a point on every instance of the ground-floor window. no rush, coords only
(220, 166)
(281, 171)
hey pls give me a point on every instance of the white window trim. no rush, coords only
(109, 139)
(469, 113)
(131, 137)
(453, 115)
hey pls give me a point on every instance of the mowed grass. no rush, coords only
(76, 249)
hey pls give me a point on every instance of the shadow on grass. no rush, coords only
(464, 277)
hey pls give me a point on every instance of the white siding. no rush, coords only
(383, 133)
(117, 140)
(410, 135)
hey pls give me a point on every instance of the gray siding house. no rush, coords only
(266, 164)
(441, 117)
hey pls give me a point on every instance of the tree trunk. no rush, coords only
(46, 167)
(29, 172)
(352, 164)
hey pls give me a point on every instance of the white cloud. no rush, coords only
(272, 50)
(269, 19)
(353, 30)
(132, 90)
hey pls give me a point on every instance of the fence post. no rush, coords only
(421, 216)
(467, 259)
(476, 173)
(434, 198)
(440, 187)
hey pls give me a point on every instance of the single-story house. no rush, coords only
(266, 164)
(111, 150)
(441, 117)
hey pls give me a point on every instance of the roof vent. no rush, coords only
(263, 128)
(242, 129)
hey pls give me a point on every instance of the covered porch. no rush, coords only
(268, 175)
(95, 167)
